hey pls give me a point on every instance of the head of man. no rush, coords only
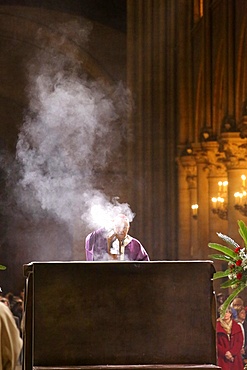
(237, 303)
(241, 314)
(121, 226)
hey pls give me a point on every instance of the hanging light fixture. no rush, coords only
(219, 203)
(241, 198)
(194, 208)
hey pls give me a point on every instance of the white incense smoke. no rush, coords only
(66, 137)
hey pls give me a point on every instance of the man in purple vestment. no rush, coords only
(102, 245)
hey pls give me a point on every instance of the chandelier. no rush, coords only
(219, 203)
(241, 198)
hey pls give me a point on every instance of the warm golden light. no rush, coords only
(243, 177)
(194, 208)
(241, 197)
(219, 203)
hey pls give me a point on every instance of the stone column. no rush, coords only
(151, 77)
(217, 223)
(192, 183)
(202, 199)
(187, 192)
(215, 162)
(235, 149)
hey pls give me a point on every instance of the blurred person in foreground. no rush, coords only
(229, 342)
(116, 244)
(236, 304)
(241, 320)
(220, 299)
(11, 342)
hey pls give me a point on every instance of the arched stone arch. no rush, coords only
(24, 28)
(241, 65)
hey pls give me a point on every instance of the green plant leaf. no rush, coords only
(228, 240)
(229, 283)
(221, 274)
(243, 231)
(220, 257)
(230, 299)
(2, 267)
(221, 248)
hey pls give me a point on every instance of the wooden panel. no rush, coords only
(121, 313)
(133, 367)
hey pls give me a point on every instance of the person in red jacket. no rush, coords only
(229, 342)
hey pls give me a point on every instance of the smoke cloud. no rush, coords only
(66, 136)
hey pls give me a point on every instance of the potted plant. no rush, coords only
(236, 258)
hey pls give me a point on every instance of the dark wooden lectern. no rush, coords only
(119, 315)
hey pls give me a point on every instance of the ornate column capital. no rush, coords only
(199, 153)
(215, 160)
(189, 165)
(235, 149)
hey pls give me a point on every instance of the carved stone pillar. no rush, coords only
(216, 172)
(187, 238)
(151, 168)
(215, 162)
(235, 149)
(202, 198)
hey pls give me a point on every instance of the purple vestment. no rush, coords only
(96, 248)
